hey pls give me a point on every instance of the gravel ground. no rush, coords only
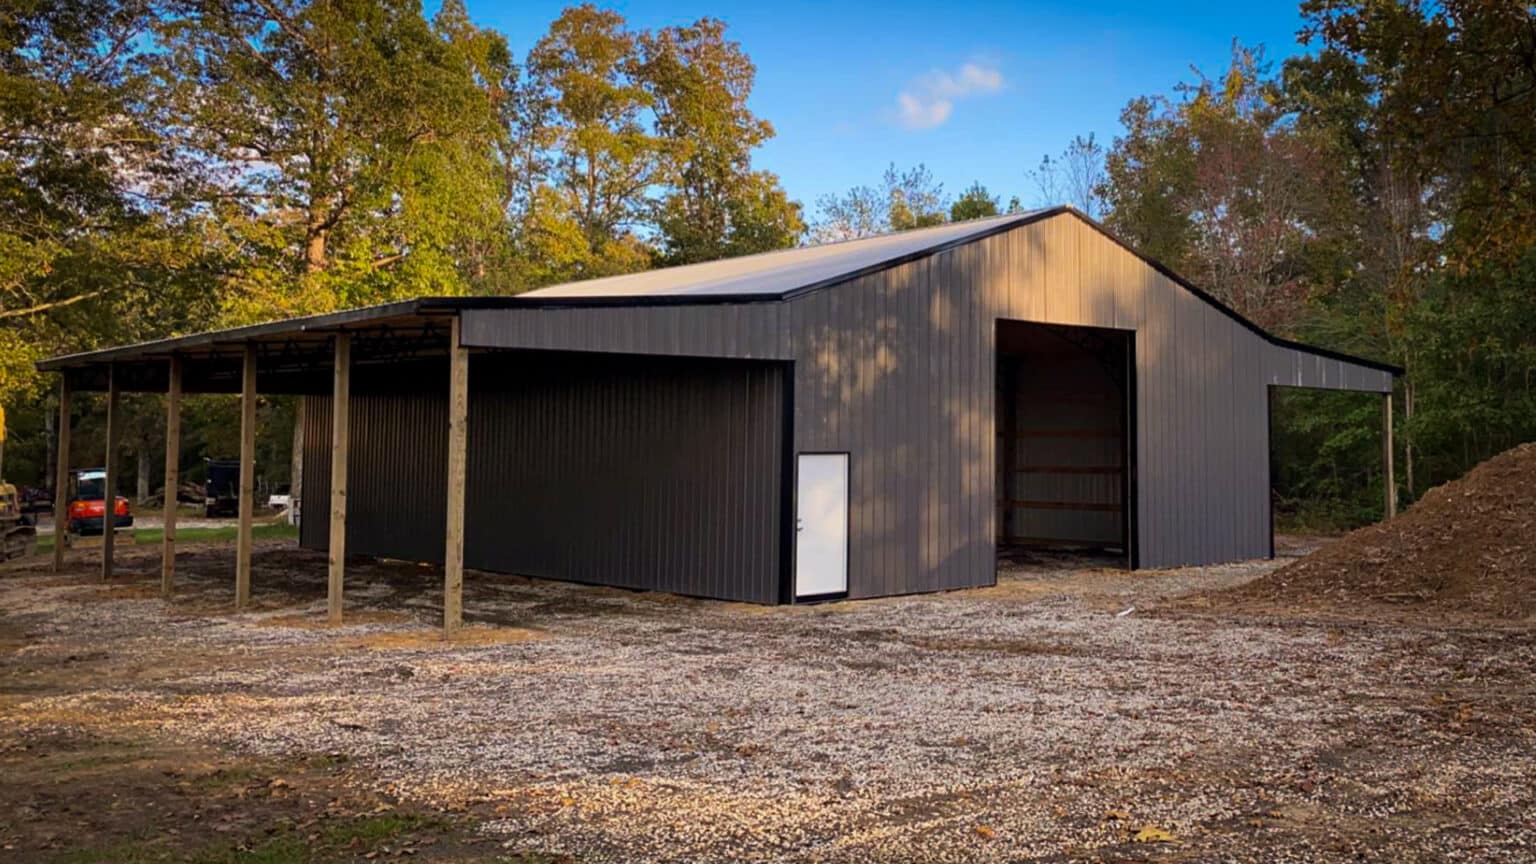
(1067, 714)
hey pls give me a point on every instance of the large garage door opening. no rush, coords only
(1065, 467)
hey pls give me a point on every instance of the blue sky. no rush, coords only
(977, 91)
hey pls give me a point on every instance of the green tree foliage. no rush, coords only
(974, 203)
(593, 160)
(87, 255)
(699, 83)
(914, 199)
(624, 138)
(1431, 113)
(168, 166)
(345, 149)
(93, 251)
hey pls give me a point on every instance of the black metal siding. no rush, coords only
(639, 472)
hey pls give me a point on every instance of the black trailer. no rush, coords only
(221, 491)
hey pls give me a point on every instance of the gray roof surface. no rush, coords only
(776, 273)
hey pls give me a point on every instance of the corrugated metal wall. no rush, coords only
(897, 369)
(640, 472)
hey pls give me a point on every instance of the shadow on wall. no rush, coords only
(898, 369)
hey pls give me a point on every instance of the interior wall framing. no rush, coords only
(1062, 428)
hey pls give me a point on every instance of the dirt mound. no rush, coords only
(1467, 549)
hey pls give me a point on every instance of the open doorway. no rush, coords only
(1066, 460)
(1330, 468)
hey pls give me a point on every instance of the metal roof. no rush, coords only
(764, 277)
(775, 274)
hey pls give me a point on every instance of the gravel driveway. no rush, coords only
(1032, 721)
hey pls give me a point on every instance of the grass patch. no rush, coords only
(348, 841)
(120, 853)
(278, 850)
(151, 536)
(221, 534)
(373, 830)
(224, 778)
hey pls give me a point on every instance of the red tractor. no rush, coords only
(87, 506)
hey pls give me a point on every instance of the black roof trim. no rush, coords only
(1228, 311)
(310, 323)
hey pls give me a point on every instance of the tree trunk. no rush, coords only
(1408, 438)
(142, 474)
(51, 457)
(296, 464)
(314, 249)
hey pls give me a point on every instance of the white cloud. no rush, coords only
(930, 100)
(917, 113)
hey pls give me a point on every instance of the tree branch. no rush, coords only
(44, 307)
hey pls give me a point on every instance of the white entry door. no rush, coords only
(821, 525)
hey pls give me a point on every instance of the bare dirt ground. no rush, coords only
(1028, 722)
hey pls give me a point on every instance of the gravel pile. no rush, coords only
(991, 725)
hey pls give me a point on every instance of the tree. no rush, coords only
(89, 251)
(593, 162)
(1076, 177)
(1221, 185)
(859, 212)
(915, 199)
(905, 200)
(699, 83)
(346, 150)
(1430, 114)
(974, 203)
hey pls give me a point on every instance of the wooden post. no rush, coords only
(341, 397)
(172, 475)
(61, 479)
(458, 417)
(1389, 478)
(109, 492)
(247, 476)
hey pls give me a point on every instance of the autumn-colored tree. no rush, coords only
(914, 198)
(1220, 184)
(1430, 112)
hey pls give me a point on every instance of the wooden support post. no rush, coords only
(247, 476)
(1389, 477)
(458, 421)
(172, 476)
(109, 492)
(341, 397)
(61, 479)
